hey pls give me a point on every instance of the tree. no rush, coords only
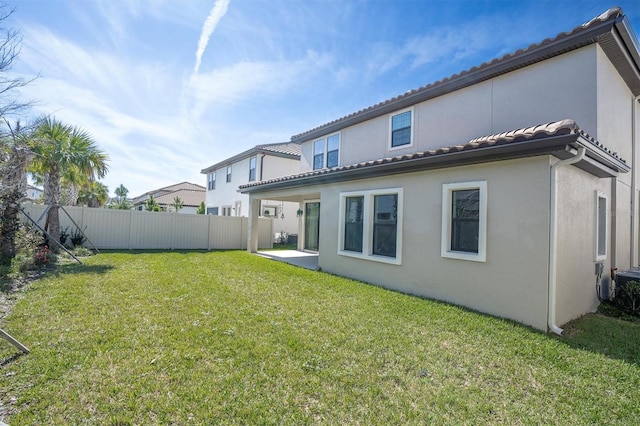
(201, 209)
(10, 40)
(177, 204)
(121, 199)
(151, 205)
(14, 151)
(93, 194)
(14, 157)
(121, 193)
(59, 149)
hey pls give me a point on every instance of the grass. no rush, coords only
(231, 338)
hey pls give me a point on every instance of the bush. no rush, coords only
(43, 256)
(627, 298)
(64, 234)
(31, 253)
(78, 238)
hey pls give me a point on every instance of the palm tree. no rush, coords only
(121, 195)
(177, 203)
(59, 150)
(151, 204)
(93, 194)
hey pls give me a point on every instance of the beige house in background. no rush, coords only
(510, 188)
(191, 195)
(260, 163)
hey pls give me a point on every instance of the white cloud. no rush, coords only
(246, 80)
(217, 12)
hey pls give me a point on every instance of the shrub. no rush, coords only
(78, 238)
(627, 298)
(64, 234)
(43, 256)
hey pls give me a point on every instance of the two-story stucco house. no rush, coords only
(510, 188)
(260, 163)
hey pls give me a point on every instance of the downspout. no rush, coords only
(634, 129)
(553, 238)
(261, 166)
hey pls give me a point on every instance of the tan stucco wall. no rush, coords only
(614, 130)
(576, 280)
(512, 283)
(273, 167)
(552, 90)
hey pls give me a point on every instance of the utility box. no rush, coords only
(623, 277)
(627, 297)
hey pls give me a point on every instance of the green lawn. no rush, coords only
(231, 338)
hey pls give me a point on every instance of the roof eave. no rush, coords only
(597, 162)
(247, 154)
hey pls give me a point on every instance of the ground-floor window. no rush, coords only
(226, 211)
(212, 211)
(464, 220)
(371, 225)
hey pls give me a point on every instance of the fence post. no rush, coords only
(209, 216)
(130, 227)
(242, 237)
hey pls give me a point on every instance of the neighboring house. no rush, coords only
(190, 194)
(260, 163)
(458, 191)
(33, 194)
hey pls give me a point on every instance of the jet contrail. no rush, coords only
(217, 12)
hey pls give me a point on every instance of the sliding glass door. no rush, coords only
(311, 225)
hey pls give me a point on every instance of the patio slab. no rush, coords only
(293, 257)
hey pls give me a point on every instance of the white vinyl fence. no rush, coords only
(130, 229)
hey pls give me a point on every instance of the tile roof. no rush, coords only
(167, 189)
(190, 198)
(596, 30)
(287, 148)
(512, 144)
(181, 185)
(280, 149)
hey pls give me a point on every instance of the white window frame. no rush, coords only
(272, 211)
(367, 225)
(229, 171)
(447, 191)
(226, 211)
(212, 181)
(394, 114)
(253, 169)
(325, 150)
(597, 255)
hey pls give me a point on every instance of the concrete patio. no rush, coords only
(293, 257)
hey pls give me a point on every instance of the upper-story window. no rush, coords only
(318, 154)
(333, 150)
(228, 173)
(212, 181)
(326, 152)
(401, 129)
(252, 169)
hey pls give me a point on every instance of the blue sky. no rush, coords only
(169, 87)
